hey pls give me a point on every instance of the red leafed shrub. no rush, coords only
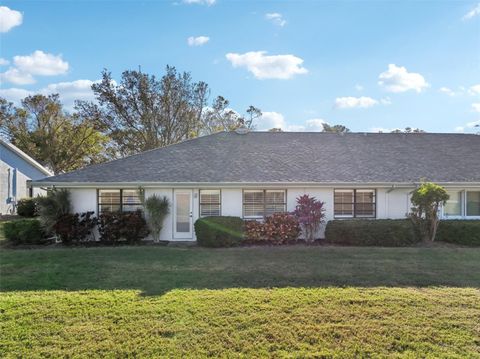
(116, 226)
(74, 228)
(310, 214)
(279, 228)
(254, 232)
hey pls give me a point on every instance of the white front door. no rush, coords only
(182, 214)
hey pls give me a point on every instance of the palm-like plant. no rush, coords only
(52, 207)
(157, 208)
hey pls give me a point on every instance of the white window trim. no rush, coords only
(200, 200)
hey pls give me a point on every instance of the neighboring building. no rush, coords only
(16, 168)
(251, 175)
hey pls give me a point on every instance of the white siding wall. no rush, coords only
(84, 199)
(393, 204)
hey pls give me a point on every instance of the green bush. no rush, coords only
(219, 231)
(378, 232)
(24, 231)
(27, 207)
(465, 232)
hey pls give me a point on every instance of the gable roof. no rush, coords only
(25, 157)
(295, 157)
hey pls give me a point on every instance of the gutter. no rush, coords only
(390, 185)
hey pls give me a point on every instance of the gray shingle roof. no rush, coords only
(297, 157)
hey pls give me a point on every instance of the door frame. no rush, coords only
(182, 235)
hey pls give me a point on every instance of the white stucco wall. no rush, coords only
(391, 203)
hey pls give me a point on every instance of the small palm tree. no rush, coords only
(52, 207)
(157, 208)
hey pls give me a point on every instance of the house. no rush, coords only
(254, 174)
(16, 168)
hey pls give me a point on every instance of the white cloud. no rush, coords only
(447, 91)
(9, 19)
(264, 66)
(276, 18)
(4, 62)
(314, 125)
(472, 13)
(200, 2)
(15, 95)
(16, 77)
(358, 87)
(71, 91)
(41, 63)
(354, 102)
(197, 41)
(383, 129)
(474, 90)
(272, 119)
(476, 107)
(398, 79)
(68, 91)
(469, 126)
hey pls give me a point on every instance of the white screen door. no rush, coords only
(183, 214)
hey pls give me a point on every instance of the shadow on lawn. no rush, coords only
(157, 270)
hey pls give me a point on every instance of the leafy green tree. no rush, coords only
(58, 140)
(334, 128)
(143, 112)
(426, 200)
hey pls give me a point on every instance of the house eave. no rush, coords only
(392, 185)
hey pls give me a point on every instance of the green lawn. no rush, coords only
(242, 302)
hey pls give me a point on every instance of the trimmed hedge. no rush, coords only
(375, 232)
(27, 207)
(464, 232)
(219, 231)
(24, 231)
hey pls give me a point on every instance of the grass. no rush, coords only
(241, 302)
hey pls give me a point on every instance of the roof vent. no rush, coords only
(242, 130)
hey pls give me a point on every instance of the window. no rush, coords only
(210, 201)
(473, 203)
(119, 200)
(462, 204)
(453, 207)
(358, 203)
(263, 203)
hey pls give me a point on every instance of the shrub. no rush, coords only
(74, 228)
(279, 228)
(157, 209)
(53, 206)
(426, 201)
(310, 214)
(376, 232)
(116, 226)
(24, 231)
(27, 207)
(219, 231)
(464, 232)
(134, 227)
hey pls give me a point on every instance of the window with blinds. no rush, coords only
(210, 202)
(119, 200)
(263, 203)
(354, 203)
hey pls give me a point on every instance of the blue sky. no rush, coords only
(369, 65)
